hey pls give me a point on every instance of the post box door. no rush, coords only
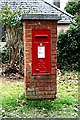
(41, 52)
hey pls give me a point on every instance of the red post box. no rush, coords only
(41, 52)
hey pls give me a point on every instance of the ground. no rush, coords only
(15, 104)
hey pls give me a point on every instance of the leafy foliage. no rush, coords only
(5, 55)
(68, 49)
(11, 21)
(10, 18)
(69, 41)
(73, 7)
(77, 21)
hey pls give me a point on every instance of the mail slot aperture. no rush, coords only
(41, 36)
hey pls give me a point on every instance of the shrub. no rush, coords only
(5, 55)
(12, 33)
(68, 49)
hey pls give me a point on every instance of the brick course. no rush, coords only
(39, 86)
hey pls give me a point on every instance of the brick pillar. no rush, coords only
(39, 86)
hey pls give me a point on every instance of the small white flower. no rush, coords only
(3, 110)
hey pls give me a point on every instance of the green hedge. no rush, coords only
(69, 49)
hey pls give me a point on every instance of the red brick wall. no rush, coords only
(39, 86)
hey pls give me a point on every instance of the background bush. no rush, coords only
(12, 34)
(69, 49)
(5, 55)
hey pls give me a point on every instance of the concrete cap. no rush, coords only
(43, 16)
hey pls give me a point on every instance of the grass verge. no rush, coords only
(15, 104)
